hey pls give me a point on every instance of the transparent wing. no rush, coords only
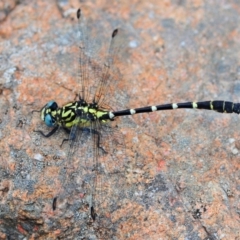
(109, 73)
(88, 62)
(98, 72)
(109, 189)
(100, 149)
(94, 171)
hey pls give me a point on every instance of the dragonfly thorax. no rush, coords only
(73, 113)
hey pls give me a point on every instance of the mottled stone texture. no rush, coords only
(181, 179)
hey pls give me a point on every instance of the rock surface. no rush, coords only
(181, 177)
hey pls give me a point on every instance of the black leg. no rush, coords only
(64, 140)
(98, 138)
(87, 130)
(68, 131)
(48, 134)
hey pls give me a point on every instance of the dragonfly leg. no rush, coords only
(48, 134)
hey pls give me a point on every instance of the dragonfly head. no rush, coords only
(48, 113)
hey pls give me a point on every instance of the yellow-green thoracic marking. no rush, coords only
(73, 113)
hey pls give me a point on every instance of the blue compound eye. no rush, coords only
(52, 105)
(49, 120)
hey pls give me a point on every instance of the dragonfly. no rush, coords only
(89, 123)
